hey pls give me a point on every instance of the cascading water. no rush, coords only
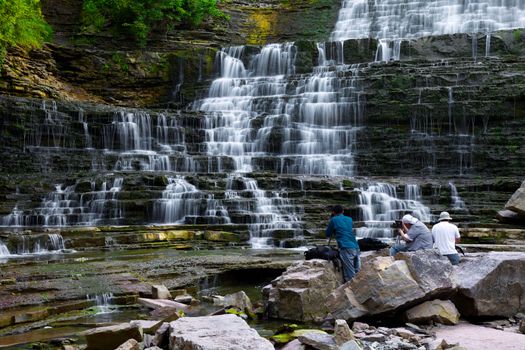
(103, 302)
(3, 250)
(380, 206)
(399, 19)
(308, 123)
(33, 244)
(267, 213)
(65, 207)
(456, 201)
(182, 202)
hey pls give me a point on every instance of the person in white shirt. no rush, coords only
(445, 236)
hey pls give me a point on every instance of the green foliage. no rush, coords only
(22, 24)
(517, 34)
(140, 17)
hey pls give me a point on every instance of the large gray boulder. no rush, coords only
(299, 293)
(491, 284)
(516, 203)
(433, 272)
(382, 285)
(223, 332)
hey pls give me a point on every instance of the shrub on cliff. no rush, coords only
(22, 24)
(140, 17)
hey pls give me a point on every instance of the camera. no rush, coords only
(397, 225)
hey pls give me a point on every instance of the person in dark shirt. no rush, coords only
(341, 227)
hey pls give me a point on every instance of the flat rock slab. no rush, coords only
(481, 338)
(160, 303)
(319, 341)
(223, 332)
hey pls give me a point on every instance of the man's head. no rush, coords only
(409, 220)
(444, 216)
(337, 209)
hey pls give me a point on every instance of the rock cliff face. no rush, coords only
(442, 125)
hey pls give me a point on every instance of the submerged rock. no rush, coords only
(224, 332)
(299, 293)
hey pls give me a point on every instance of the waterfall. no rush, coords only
(182, 202)
(265, 212)
(4, 252)
(379, 206)
(66, 207)
(144, 142)
(309, 126)
(456, 201)
(395, 19)
(103, 302)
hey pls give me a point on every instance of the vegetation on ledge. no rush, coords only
(139, 17)
(22, 24)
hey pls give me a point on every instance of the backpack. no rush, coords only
(324, 252)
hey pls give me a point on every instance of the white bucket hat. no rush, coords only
(409, 219)
(444, 216)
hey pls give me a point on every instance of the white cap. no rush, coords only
(409, 219)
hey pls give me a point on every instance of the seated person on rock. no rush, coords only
(341, 227)
(415, 233)
(446, 235)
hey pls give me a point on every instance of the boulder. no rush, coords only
(521, 326)
(147, 326)
(319, 341)
(110, 337)
(131, 344)
(351, 345)
(224, 332)
(382, 285)
(294, 345)
(160, 292)
(166, 314)
(299, 293)
(509, 217)
(440, 311)
(491, 284)
(516, 203)
(161, 337)
(432, 271)
(238, 300)
(342, 332)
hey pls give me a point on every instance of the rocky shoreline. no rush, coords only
(393, 303)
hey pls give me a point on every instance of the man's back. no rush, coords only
(341, 227)
(420, 236)
(445, 235)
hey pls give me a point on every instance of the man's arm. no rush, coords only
(402, 233)
(329, 229)
(457, 236)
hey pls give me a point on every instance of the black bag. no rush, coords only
(367, 244)
(324, 252)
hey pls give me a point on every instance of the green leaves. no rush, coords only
(22, 24)
(139, 17)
